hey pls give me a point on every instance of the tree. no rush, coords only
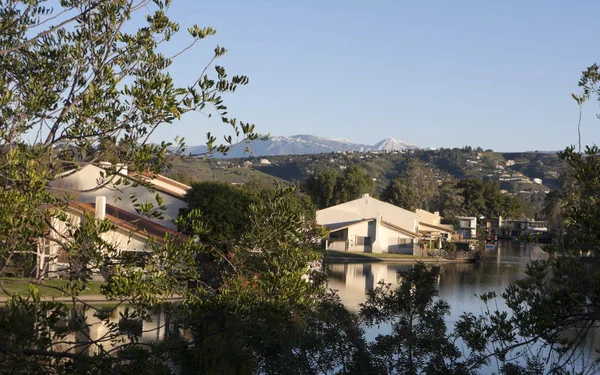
(574, 207)
(399, 193)
(321, 188)
(353, 184)
(450, 201)
(330, 187)
(75, 76)
(223, 208)
(414, 187)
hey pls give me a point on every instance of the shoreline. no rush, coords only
(85, 299)
(351, 259)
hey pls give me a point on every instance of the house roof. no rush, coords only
(158, 182)
(400, 229)
(167, 186)
(436, 227)
(131, 222)
(367, 207)
(339, 226)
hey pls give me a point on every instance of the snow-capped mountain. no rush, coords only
(303, 144)
(392, 144)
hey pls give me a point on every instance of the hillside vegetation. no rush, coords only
(514, 171)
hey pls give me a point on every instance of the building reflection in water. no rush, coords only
(95, 336)
(459, 284)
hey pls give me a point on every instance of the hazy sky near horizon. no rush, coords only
(495, 74)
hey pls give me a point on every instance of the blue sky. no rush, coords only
(496, 74)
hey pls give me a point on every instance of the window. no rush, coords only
(339, 235)
(362, 241)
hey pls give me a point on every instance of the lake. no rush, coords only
(459, 284)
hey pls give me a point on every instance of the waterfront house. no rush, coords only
(430, 225)
(369, 225)
(131, 234)
(522, 227)
(467, 227)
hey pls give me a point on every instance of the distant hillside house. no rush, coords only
(370, 225)
(265, 161)
(88, 183)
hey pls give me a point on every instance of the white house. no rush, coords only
(370, 225)
(88, 183)
(430, 225)
(132, 234)
(467, 227)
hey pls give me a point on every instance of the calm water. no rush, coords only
(459, 284)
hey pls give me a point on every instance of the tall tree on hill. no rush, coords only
(322, 187)
(352, 184)
(450, 201)
(331, 187)
(414, 187)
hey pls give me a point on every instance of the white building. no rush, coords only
(537, 181)
(467, 227)
(430, 225)
(132, 234)
(88, 183)
(265, 161)
(370, 225)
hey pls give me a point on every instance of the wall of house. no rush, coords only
(121, 239)
(393, 241)
(366, 208)
(428, 217)
(360, 230)
(83, 183)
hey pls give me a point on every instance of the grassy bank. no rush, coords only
(49, 288)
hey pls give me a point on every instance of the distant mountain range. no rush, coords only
(302, 144)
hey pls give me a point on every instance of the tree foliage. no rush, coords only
(331, 187)
(76, 78)
(414, 187)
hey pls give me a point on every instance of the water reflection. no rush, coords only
(96, 335)
(459, 283)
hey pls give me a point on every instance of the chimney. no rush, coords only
(122, 169)
(105, 164)
(100, 207)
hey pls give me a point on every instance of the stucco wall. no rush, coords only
(389, 241)
(360, 229)
(428, 217)
(121, 239)
(367, 208)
